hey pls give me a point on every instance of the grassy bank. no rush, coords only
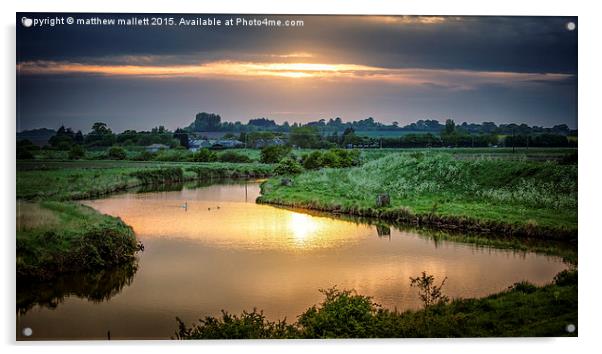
(509, 197)
(59, 237)
(523, 310)
(72, 180)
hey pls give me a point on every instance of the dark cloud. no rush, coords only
(522, 44)
(540, 45)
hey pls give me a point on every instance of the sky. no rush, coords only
(392, 68)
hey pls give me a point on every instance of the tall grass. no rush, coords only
(506, 191)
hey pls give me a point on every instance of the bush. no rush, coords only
(172, 155)
(288, 166)
(117, 153)
(273, 154)
(77, 152)
(333, 158)
(313, 161)
(24, 150)
(249, 325)
(204, 155)
(343, 314)
(566, 277)
(231, 156)
(144, 156)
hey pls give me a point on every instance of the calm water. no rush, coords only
(225, 252)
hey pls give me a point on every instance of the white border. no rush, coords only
(590, 129)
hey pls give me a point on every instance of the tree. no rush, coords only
(117, 153)
(274, 153)
(450, 126)
(77, 152)
(429, 293)
(206, 122)
(100, 128)
(182, 137)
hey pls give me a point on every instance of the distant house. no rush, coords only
(156, 147)
(260, 143)
(228, 144)
(197, 144)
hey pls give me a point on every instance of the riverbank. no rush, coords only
(523, 310)
(57, 236)
(74, 180)
(505, 197)
(61, 237)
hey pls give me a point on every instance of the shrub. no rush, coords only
(429, 293)
(77, 152)
(24, 150)
(144, 156)
(204, 155)
(566, 277)
(172, 155)
(249, 325)
(524, 287)
(116, 153)
(288, 166)
(273, 154)
(231, 156)
(342, 314)
(313, 161)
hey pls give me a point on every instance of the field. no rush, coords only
(483, 194)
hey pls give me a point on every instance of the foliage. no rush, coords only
(231, 156)
(161, 175)
(77, 152)
(117, 153)
(249, 325)
(333, 158)
(204, 155)
(342, 314)
(288, 166)
(25, 150)
(539, 311)
(274, 153)
(429, 293)
(83, 240)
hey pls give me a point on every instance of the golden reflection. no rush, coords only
(302, 226)
(229, 223)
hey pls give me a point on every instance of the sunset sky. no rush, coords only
(474, 69)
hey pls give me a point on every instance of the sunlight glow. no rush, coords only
(302, 226)
(454, 79)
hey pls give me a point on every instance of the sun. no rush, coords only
(302, 227)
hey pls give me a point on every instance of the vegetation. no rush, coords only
(55, 238)
(523, 310)
(71, 180)
(524, 198)
(274, 154)
(288, 166)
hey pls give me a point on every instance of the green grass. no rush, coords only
(63, 237)
(507, 196)
(70, 180)
(523, 310)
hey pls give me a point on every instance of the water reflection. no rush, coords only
(223, 251)
(94, 287)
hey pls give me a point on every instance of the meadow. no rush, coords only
(517, 197)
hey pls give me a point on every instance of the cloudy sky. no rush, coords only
(474, 69)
